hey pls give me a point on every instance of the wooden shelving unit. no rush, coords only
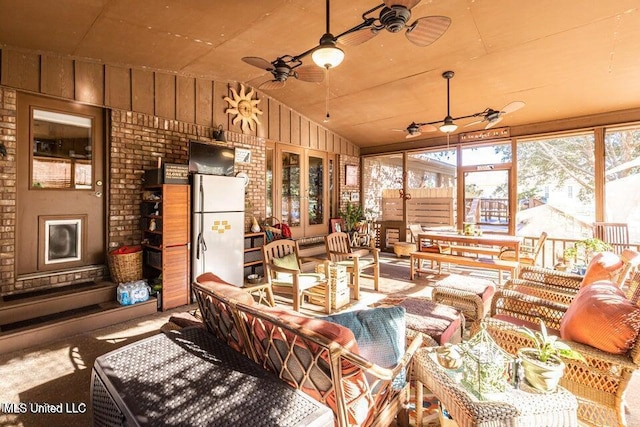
(166, 235)
(253, 262)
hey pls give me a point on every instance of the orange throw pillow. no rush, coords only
(603, 266)
(600, 316)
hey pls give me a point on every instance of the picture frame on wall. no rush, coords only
(351, 175)
(336, 224)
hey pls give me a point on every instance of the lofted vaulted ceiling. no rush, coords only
(564, 59)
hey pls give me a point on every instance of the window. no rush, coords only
(555, 186)
(622, 173)
(62, 148)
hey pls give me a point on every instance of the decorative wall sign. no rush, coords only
(351, 175)
(245, 109)
(243, 155)
(481, 135)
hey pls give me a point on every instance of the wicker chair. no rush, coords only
(599, 385)
(545, 283)
(338, 247)
(311, 361)
(560, 286)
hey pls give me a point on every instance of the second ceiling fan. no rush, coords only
(491, 116)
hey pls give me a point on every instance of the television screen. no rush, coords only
(211, 159)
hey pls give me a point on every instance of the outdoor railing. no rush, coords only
(554, 247)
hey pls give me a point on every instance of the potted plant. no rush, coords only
(542, 364)
(351, 214)
(582, 251)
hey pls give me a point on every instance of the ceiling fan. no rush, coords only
(284, 67)
(493, 117)
(416, 129)
(394, 17)
(448, 123)
(325, 55)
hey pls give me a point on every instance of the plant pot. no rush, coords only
(543, 376)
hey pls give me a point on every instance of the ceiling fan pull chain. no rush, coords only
(326, 99)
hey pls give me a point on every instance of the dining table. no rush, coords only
(477, 243)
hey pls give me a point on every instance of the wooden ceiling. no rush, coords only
(564, 59)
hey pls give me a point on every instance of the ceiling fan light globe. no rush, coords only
(327, 56)
(448, 127)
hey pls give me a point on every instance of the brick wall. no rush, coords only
(137, 140)
(346, 191)
(7, 189)
(135, 143)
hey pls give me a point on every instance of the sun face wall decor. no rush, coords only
(245, 109)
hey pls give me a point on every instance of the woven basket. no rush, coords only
(272, 231)
(125, 267)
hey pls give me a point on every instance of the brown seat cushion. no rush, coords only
(305, 365)
(603, 266)
(226, 289)
(600, 316)
(330, 330)
(441, 322)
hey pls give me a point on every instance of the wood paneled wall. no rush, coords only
(183, 98)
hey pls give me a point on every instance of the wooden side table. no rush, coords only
(262, 291)
(522, 407)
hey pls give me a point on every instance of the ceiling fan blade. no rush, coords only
(272, 84)
(427, 29)
(413, 135)
(406, 3)
(358, 37)
(473, 123)
(258, 62)
(513, 106)
(492, 123)
(309, 73)
(428, 128)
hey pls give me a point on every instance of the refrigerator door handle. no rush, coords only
(200, 244)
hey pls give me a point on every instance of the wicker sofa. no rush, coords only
(316, 356)
(601, 383)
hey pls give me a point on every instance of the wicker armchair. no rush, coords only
(561, 287)
(599, 385)
(305, 356)
(544, 283)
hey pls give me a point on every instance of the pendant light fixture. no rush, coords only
(327, 54)
(448, 125)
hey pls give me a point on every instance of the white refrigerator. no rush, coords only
(218, 227)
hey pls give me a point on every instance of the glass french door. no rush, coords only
(302, 190)
(486, 199)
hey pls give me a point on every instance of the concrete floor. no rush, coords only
(60, 372)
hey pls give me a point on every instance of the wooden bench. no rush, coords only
(492, 264)
(479, 250)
